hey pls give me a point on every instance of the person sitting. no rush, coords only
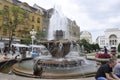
(34, 54)
(4, 57)
(105, 71)
(116, 70)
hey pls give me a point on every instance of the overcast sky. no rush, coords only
(91, 15)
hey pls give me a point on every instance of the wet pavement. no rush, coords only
(14, 77)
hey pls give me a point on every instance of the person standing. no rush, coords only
(23, 52)
(105, 50)
(105, 71)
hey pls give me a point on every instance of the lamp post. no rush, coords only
(33, 33)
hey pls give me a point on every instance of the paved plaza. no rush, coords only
(14, 77)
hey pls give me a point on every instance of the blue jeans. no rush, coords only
(101, 78)
(118, 75)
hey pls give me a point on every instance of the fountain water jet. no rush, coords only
(58, 24)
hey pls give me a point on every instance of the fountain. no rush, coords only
(58, 25)
(66, 60)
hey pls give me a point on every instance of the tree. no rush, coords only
(26, 41)
(40, 35)
(86, 44)
(97, 46)
(12, 18)
(119, 47)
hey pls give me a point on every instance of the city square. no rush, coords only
(39, 43)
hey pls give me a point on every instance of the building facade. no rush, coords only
(74, 30)
(86, 35)
(111, 39)
(33, 19)
(101, 41)
(36, 18)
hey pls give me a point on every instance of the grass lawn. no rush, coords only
(91, 54)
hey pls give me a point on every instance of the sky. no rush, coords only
(94, 16)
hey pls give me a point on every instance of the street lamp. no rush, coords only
(33, 33)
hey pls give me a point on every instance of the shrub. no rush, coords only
(118, 56)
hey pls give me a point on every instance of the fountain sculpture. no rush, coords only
(65, 61)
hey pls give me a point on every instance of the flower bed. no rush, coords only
(113, 51)
(99, 55)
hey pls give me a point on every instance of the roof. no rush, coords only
(84, 32)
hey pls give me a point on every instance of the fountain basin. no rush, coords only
(71, 73)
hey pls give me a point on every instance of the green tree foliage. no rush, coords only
(119, 47)
(87, 46)
(40, 35)
(26, 41)
(12, 17)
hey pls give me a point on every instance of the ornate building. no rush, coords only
(33, 18)
(74, 30)
(101, 41)
(36, 18)
(86, 35)
(111, 38)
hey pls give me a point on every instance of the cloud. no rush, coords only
(92, 15)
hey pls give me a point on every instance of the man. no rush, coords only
(105, 71)
(116, 69)
(105, 50)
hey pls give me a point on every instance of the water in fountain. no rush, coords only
(66, 60)
(75, 49)
(58, 22)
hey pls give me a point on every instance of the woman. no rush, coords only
(4, 57)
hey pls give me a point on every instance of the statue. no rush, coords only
(37, 68)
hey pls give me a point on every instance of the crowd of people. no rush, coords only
(9, 51)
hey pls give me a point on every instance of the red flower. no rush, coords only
(99, 55)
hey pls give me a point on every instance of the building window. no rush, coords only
(38, 20)
(113, 39)
(6, 7)
(32, 26)
(4, 32)
(33, 18)
(0, 2)
(5, 21)
(38, 28)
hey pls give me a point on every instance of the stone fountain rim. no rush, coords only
(23, 72)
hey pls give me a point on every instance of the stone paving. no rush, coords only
(14, 77)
